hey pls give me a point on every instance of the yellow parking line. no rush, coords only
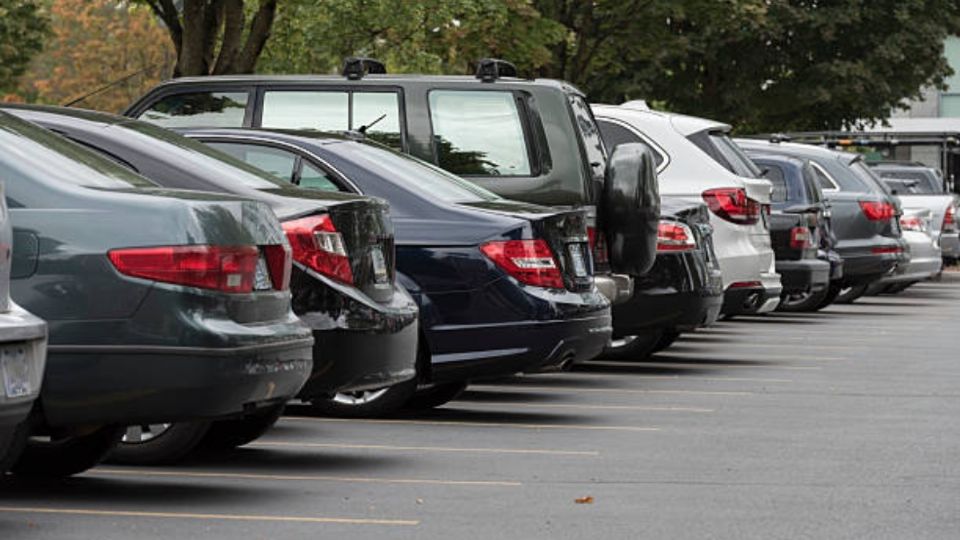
(574, 389)
(587, 406)
(347, 446)
(211, 517)
(302, 478)
(469, 423)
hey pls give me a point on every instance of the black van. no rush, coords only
(529, 140)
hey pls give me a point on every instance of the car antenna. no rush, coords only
(363, 129)
(106, 87)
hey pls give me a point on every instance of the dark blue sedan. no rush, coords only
(503, 287)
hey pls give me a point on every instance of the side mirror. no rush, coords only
(629, 209)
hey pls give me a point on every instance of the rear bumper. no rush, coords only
(862, 266)
(950, 245)
(751, 300)
(526, 346)
(94, 385)
(925, 260)
(21, 329)
(807, 275)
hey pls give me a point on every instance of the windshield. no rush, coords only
(215, 165)
(412, 173)
(32, 152)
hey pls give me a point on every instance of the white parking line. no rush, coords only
(574, 389)
(207, 517)
(468, 423)
(299, 478)
(651, 408)
(392, 448)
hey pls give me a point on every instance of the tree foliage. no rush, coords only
(23, 26)
(216, 37)
(92, 45)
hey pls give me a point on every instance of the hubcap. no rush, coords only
(359, 398)
(144, 433)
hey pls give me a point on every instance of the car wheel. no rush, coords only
(435, 396)
(225, 435)
(57, 457)
(633, 348)
(158, 444)
(832, 292)
(666, 340)
(14, 440)
(804, 302)
(849, 295)
(366, 404)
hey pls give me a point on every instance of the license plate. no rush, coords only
(16, 371)
(261, 278)
(379, 265)
(579, 261)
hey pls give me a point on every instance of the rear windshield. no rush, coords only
(215, 166)
(31, 152)
(867, 176)
(927, 183)
(719, 146)
(413, 174)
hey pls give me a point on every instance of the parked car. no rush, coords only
(697, 161)
(162, 305)
(864, 215)
(23, 353)
(801, 231)
(529, 140)
(344, 281)
(925, 257)
(503, 286)
(924, 188)
(684, 289)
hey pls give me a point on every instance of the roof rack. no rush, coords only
(355, 67)
(491, 69)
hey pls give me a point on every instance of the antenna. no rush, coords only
(107, 86)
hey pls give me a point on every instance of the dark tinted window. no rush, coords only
(778, 181)
(479, 133)
(811, 184)
(725, 152)
(927, 183)
(590, 132)
(210, 109)
(614, 135)
(868, 178)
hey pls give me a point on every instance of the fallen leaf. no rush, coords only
(584, 500)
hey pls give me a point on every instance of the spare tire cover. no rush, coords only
(630, 209)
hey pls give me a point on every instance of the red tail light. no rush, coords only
(912, 223)
(278, 261)
(878, 211)
(745, 285)
(317, 245)
(673, 237)
(801, 238)
(733, 205)
(598, 245)
(529, 261)
(226, 269)
(886, 250)
(950, 219)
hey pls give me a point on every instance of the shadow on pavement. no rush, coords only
(123, 491)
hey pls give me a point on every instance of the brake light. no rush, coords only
(598, 245)
(673, 237)
(801, 238)
(950, 219)
(226, 269)
(279, 263)
(316, 244)
(528, 261)
(733, 205)
(877, 210)
(745, 285)
(911, 223)
(886, 250)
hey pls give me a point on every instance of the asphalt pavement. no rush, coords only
(841, 424)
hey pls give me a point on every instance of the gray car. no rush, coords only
(23, 353)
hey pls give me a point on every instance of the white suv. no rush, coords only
(696, 160)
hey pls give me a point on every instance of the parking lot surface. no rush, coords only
(840, 424)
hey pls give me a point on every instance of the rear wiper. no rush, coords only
(363, 129)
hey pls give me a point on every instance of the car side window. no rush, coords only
(313, 178)
(207, 109)
(324, 111)
(479, 133)
(778, 180)
(381, 112)
(614, 135)
(282, 164)
(823, 180)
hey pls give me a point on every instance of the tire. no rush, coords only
(373, 403)
(805, 302)
(12, 442)
(666, 340)
(159, 444)
(435, 396)
(67, 456)
(633, 348)
(850, 295)
(898, 288)
(225, 435)
(832, 292)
